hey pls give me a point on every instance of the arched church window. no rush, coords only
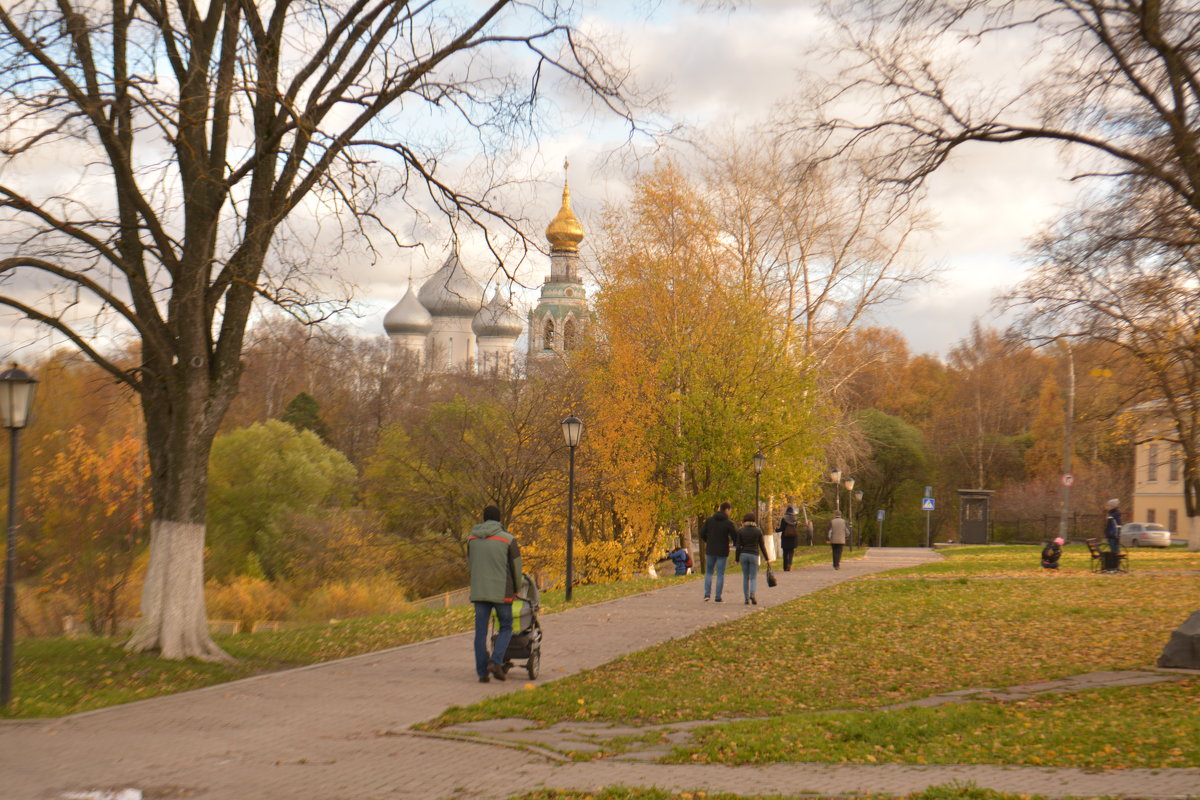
(548, 335)
(569, 334)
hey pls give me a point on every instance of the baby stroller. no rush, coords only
(526, 642)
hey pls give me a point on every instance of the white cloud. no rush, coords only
(741, 66)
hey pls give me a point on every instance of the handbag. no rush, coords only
(771, 577)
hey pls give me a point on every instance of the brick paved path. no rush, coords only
(337, 731)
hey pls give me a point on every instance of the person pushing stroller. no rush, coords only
(494, 560)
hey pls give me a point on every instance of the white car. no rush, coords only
(1144, 534)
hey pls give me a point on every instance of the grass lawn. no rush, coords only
(1145, 726)
(1024, 560)
(57, 676)
(986, 617)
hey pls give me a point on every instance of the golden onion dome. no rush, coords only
(564, 231)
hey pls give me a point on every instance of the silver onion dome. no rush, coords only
(498, 319)
(451, 292)
(408, 316)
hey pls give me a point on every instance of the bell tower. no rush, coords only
(557, 320)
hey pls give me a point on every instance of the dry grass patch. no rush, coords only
(871, 643)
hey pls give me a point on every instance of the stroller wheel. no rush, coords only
(534, 662)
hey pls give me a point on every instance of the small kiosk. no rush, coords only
(974, 515)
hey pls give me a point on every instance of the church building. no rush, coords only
(450, 326)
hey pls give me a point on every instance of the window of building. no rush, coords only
(1173, 468)
(569, 334)
(1150, 515)
(1152, 463)
(548, 335)
(1173, 520)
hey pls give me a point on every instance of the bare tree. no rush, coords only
(1118, 83)
(1127, 275)
(828, 241)
(156, 151)
(996, 385)
(1118, 80)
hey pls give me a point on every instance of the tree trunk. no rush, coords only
(1190, 493)
(182, 415)
(173, 617)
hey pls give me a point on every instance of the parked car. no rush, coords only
(1144, 534)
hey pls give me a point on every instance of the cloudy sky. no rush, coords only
(734, 67)
(722, 68)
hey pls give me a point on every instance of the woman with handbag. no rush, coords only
(750, 543)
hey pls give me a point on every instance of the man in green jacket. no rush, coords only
(495, 563)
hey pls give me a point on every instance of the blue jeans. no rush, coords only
(716, 563)
(483, 612)
(749, 562)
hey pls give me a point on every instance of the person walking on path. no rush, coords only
(837, 538)
(718, 531)
(494, 560)
(749, 544)
(788, 536)
(1051, 553)
(1112, 525)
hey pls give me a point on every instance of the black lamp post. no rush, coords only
(572, 428)
(835, 475)
(858, 496)
(760, 461)
(16, 403)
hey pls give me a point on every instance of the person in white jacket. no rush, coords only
(837, 538)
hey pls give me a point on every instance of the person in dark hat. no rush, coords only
(495, 563)
(789, 536)
(717, 532)
(1112, 525)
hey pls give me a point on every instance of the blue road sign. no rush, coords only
(879, 515)
(927, 504)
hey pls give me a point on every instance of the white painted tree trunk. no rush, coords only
(173, 617)
(1193, 533)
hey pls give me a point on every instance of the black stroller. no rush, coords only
(526, 642)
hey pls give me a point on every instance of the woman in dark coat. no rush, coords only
(788, 536)
(749, 544)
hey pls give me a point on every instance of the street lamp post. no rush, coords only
(835, 475)
(849, 484)
(760, 461)
(858, 495)
(16, 403)
(572, 428)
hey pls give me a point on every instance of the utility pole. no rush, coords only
(1067, 479)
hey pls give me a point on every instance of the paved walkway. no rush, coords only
(339, 731)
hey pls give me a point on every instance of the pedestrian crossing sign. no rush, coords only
(927, 504)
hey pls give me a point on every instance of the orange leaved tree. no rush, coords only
(91, 506)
